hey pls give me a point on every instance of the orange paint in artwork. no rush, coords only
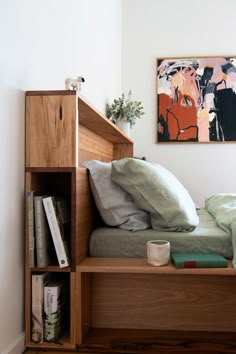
(179, 117)
(164, 103)
(188, 134)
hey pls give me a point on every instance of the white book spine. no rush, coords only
(55, 232)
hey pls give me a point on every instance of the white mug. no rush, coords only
(158, 252)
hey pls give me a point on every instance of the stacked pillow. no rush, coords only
(114, 204)
(134, 195)
(156, 190)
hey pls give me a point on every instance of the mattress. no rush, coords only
(115, 242)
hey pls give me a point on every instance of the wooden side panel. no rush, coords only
(83, 294)
(83, 214)
(163, 302)
(72, 308)
(95, 121)
(27, 270)
(93, 147)
(51, 130)
(121, 151)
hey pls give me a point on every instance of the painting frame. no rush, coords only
(196, 99)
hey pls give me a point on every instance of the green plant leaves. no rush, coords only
(123, 108)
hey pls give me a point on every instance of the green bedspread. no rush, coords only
(223, 208)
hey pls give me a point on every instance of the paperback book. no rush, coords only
(54, 310)
(31, 231)
(38, 283)
(42, 233)
(58, 216)
(198, 260)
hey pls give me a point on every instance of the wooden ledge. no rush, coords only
(139, 265)
(92, 119)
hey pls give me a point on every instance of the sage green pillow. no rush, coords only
(158, 191)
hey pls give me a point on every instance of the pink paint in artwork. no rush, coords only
(203, 125)
(211, 62)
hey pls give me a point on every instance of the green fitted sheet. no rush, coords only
(207, 237)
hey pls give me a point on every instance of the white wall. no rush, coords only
(156, 28)
(42, 43)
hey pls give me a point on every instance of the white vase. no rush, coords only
(124, 126)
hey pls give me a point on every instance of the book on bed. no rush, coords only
(198, 260)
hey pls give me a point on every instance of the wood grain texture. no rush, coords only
(121, 151)
(95, 121)
(51, 93)
(140, 265)
(153, 341)
(51, 131)
(163, 302)
(84, 214)
(93, 147)
(83, 294)
(72, 329)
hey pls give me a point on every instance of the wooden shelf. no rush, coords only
(63, 343)
(139, 265)
(138, 340)
(92, 119)
(50, 169)
(51, 269)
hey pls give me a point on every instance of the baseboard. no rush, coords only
(17, 347)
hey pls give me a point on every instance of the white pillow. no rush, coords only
(114, 204)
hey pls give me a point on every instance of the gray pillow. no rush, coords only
(115, 205)
(157, 191)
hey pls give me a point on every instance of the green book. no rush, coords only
(198, 260)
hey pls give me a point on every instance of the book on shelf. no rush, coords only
(31, 231)
(44, 246)
(58, 216)
(198, 260)
(54, 310)
(37, 328)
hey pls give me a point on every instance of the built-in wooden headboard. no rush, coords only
(99, 139)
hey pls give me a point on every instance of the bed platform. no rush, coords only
(126, 305)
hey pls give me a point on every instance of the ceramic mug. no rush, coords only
(158, 252)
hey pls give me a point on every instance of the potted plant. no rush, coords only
(124, 112)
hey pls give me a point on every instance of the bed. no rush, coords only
(122, 303)
(207, 237)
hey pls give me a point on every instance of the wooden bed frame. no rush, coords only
(125, 304)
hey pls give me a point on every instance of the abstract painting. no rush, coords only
(196, 99)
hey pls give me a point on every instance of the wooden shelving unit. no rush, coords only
(62, 130)
(51, 161)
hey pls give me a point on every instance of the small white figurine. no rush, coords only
(74, 84)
